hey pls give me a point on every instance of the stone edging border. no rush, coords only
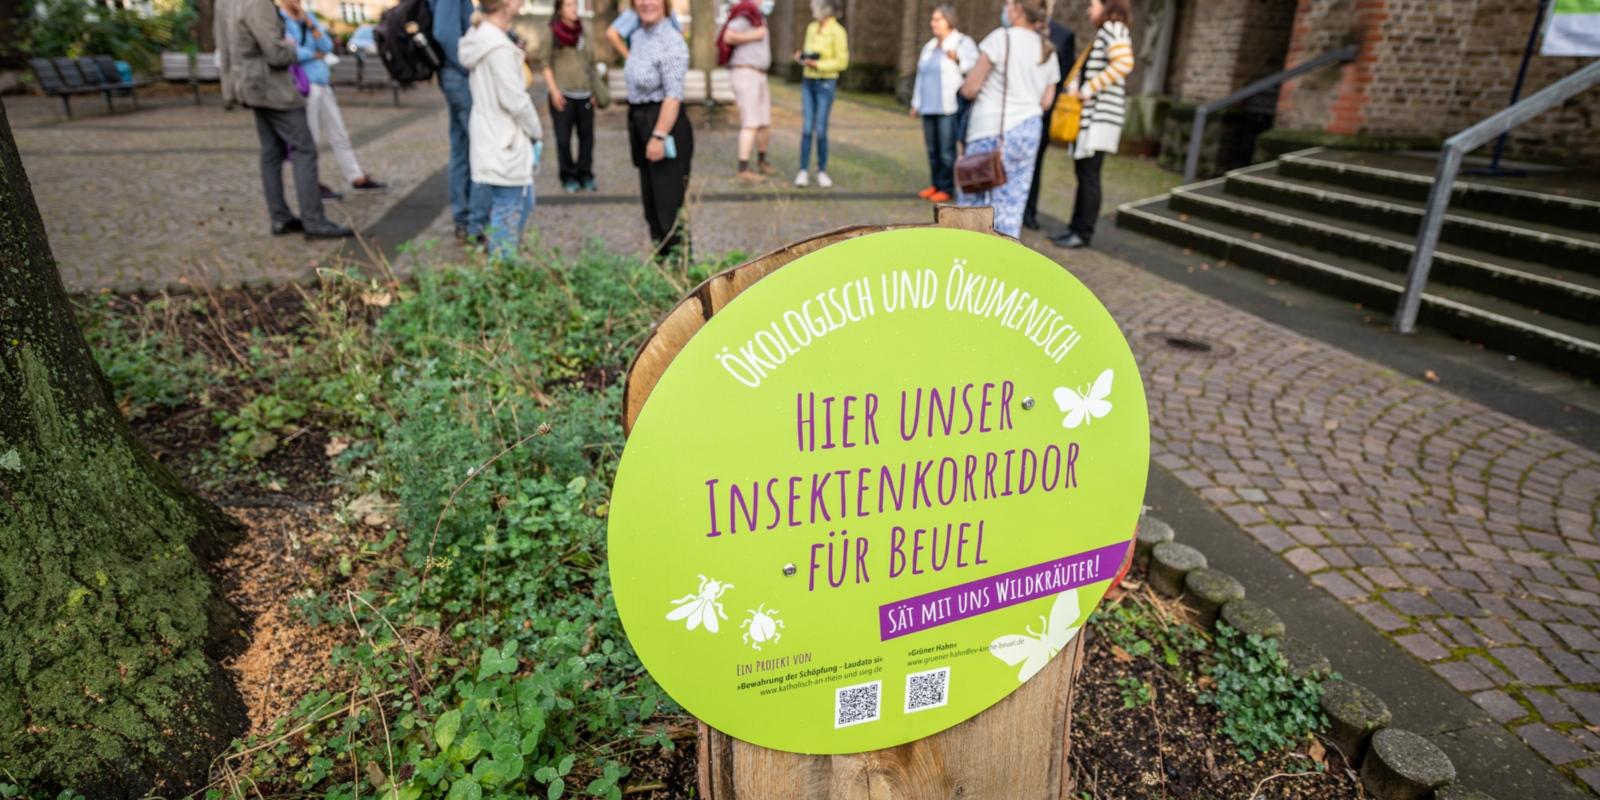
(1394, 764)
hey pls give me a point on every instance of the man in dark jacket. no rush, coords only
(261, 56)
(1065, 44)
(469, 207)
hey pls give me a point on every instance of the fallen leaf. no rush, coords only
(1318, 753)
(379, 299)
(274, 486)
(1206, 682)
(1183, 217)
(1121, 655)
(1430, 376)
(372, 509)
(335, 446)
(1256, 235)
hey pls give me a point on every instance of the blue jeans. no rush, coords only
(509, 209)
(469, 206)
(1020, 153)
(939, 133)
(816, 102)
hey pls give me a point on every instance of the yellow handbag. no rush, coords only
(1067, 116)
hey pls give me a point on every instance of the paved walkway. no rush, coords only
(1467, 536)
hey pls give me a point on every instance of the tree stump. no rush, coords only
(1017, 748)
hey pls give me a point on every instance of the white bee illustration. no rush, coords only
(762, 626)
(701, 607)
(1035, 650)
(1085, 406)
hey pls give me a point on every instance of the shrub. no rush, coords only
(1264, 706)
(81, 28)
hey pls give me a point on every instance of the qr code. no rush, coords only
(925, 690)
(853, 705)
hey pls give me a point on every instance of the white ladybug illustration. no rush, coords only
(762, 626)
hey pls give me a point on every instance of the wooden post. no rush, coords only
(1019, 747)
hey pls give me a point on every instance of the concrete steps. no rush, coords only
(1518, 269)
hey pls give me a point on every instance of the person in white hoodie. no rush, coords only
(504, 125)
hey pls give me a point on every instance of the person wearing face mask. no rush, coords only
(944, 63)
(1104, 104)
(825, 54)
(504, 126)
(1013, 83)
(567, 55)
(658, 131)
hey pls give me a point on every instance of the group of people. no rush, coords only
(998, 95)
(974, 98)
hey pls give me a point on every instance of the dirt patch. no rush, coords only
(1173, 748)
(286, 657)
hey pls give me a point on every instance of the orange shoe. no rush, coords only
(938, 197)
(927, 193)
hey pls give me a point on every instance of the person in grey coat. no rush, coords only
(225, 17)
(261, 54)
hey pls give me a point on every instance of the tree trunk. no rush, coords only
(109, 675)
(913, 25)
(205, 35)
(703, 37)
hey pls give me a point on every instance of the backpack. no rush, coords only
(405, 42)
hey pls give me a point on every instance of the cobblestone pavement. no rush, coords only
(172, 193)
(1469, 537)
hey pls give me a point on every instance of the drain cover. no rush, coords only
(1186, 343)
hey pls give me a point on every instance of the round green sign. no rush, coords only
(878, 491)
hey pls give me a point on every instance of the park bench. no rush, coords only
(190, 68)
(66, 77)
(356, 69)
(695, 86)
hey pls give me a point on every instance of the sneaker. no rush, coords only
(328, 230)
(1030, 222)
(823, 180)
(570, 187)
(749, 176)
(927, 193)
(367, 184)
(294, 225)
(938, 197)
(329, 194)
(802, 178)
(766, 168)
(461, 233)
(590, 186)
(1069, 240)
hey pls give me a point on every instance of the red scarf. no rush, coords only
(746, 9)
(566, 35)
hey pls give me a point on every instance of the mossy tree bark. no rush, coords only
(109, 675)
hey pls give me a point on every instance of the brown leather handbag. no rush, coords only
(980, 172)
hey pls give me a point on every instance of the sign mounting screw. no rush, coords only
(1027, 403)
(789, 570)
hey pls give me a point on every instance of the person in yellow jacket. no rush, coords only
(826, 54)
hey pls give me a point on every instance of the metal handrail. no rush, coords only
(1191, 162)
(1444, 178)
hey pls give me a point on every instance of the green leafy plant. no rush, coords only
(1264, 706)
(80, 28)
(141, 355)
(1135, 692)
(1143, 631)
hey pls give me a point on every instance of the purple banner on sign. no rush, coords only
(995, 592)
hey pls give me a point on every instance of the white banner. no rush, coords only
(1574, 29)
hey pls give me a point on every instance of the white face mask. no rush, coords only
(767, 6)
(1005, 19)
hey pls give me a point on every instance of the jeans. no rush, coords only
(816, 103)
(939, 134)
(579, 116)
(469, 206)
(279, 131)
(509, 209)
(1086, 206)
(327, 125)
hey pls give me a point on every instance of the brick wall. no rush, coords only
(1221, 45)
(1430, 68)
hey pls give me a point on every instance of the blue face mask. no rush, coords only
(1005, 19)
(767, 6)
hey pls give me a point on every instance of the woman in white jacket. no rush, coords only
(504, 125)
(943, 66)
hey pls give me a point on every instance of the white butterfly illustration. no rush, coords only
(1088, 406)
(1035, 650)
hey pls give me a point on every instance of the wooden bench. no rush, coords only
(695, 89)
(66, 77)
(363, 72)
(193, 69)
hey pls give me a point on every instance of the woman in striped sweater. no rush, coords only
(1104, 108)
